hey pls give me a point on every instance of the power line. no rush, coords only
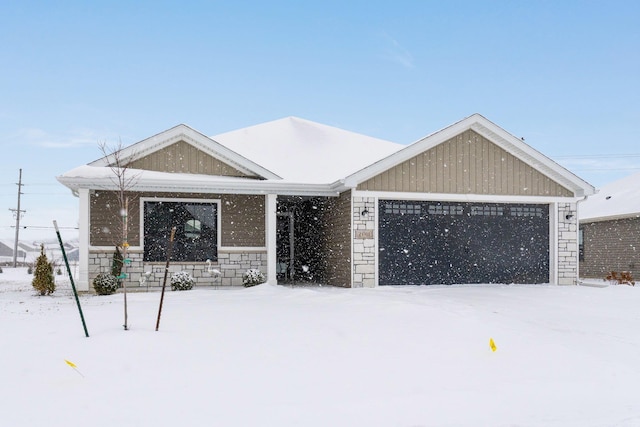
(38, 227)
(595, 156)
(606, 169)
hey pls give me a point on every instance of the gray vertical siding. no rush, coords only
(184, 158)
(466, 164)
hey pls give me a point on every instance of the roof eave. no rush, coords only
(213, 186)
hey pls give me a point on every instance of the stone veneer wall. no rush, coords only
(364, 244)
(567, 244)
(230, 264)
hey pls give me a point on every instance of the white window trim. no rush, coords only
(217, 202)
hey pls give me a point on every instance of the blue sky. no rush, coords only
(565, 75)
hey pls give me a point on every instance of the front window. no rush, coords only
(196, 237)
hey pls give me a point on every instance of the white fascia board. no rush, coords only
(531, 156)
(447, 197)
(489, 130)
(406, 153)
(190, 136)
(207, 186)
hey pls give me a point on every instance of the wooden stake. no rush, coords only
(166, 272)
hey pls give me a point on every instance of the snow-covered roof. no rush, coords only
(616, 200)
(297, 156)
(303, 151)
(101, 177)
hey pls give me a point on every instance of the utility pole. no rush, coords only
(17, 212)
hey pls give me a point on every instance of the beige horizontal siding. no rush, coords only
(466, 164)
(242, 218)
(185, 158)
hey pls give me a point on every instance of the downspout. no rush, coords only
(578, 237)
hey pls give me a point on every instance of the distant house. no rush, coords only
(610, 230)
(6, 251)
(28, 252)
(306, 202)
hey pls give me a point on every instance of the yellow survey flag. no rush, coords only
(492, 344)
(73, 365)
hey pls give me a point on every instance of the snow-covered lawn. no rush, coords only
(322, 356)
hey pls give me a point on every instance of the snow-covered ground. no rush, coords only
(322, 356)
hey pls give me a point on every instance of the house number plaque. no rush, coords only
(364, 234)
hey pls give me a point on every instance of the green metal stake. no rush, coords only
(73, 286)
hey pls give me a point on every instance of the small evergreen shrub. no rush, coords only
(181, 281)
(30, 270)
(43, 281)
(116, 264)
(253, 277)
(1, 270)
(59, 271)
(105, 284)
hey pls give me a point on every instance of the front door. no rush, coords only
(285, 246)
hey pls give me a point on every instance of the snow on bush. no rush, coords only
(181, 281)
(105, 284)
(253, 277)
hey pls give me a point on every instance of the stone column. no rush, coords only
(567, 244)
(364, 243)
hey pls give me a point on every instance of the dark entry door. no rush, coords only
(285, 246)
(447, 243)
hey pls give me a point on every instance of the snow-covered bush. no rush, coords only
(105, 284)
(182, 281)
(253, 277)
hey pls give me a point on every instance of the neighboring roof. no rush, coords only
(616, 200)
(21, 245)
(492, 132)
(303, 151)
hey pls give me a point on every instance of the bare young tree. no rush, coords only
(123, 180)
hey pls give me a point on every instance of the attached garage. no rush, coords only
(427, 242)
(470, 203)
